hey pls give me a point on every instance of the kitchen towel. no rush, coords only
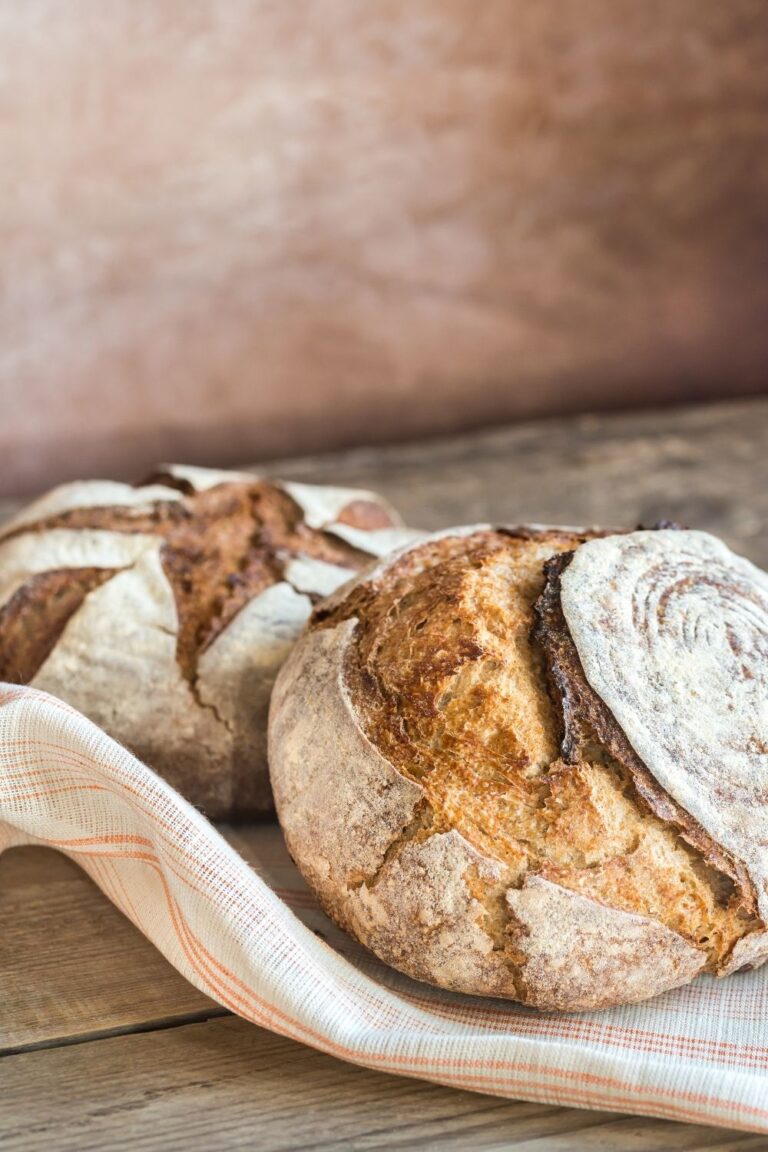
(254, 940)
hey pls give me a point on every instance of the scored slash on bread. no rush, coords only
(464, 803)
(672, 633)
(163, 611)
(587, 719)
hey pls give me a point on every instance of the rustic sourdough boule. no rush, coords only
(163, 611)
(454, 783)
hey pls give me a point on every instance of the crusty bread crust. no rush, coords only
(500, 866)
(577, 953)
(164, 611)
(671, 633)
(425, 901)
(586, 717)
(323, 756)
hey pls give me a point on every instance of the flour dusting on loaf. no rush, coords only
(163, 611)
(672, 632)
(464, 803)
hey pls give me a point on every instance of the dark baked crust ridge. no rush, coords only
(587, 718)
(36, 615)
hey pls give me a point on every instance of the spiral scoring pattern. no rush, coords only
(672, 631)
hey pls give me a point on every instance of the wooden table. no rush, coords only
(104, 1045)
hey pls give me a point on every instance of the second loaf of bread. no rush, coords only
(164, 610)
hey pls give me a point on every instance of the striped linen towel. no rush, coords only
(255, 941)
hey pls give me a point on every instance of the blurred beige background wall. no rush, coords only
(233, 229)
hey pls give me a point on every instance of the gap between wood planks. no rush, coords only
(162, 1024)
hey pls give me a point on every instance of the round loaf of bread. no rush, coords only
(533, 763)
(164, 611)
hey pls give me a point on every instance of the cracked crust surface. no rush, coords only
(492, 852)
(164, 611)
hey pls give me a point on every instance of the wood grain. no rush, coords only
(228, 1084)
(704, 466)
(71, 965)
(250, 227)
(73, 971)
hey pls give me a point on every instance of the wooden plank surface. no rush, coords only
(74, 972)
(227, 1084)
(704, 466)
(71, 965)
(102, 1044)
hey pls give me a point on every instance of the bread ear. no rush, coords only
(668, 638)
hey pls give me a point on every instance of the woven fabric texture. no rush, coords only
(251, 936)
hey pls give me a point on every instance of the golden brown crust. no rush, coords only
(423, 899)
(446, 682)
